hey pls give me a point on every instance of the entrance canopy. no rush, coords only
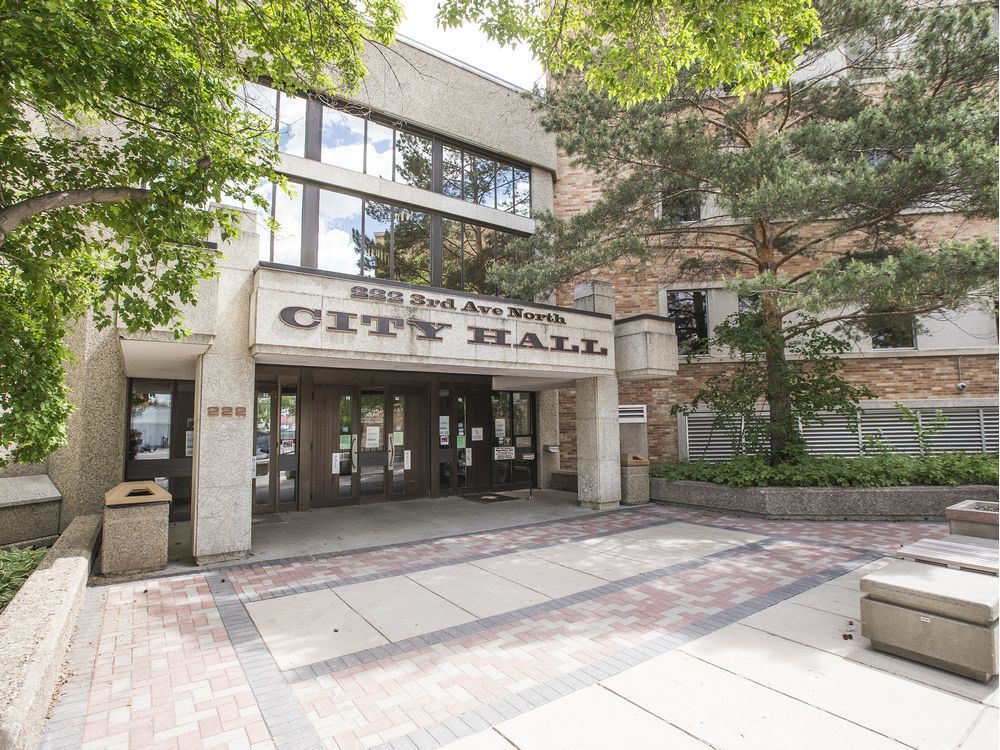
(328, 320)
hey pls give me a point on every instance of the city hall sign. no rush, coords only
(392, 326)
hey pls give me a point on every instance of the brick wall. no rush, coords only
(891, 378)
(638, 292)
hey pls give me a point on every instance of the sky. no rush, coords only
(469, 45)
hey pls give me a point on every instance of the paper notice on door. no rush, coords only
(460, 441)
(345, 442)
(500, 428)
(468, 456)
(373, 436)
(503, 453)
(397, 438)
(406, 460)
(443, 426)
(189, 443)
(445, 441)
(477, 434)
(335, 463)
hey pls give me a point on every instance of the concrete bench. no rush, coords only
(939, 616)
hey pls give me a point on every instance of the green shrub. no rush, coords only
(15, 567)
(882, 470)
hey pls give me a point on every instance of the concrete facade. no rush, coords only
(256, 315)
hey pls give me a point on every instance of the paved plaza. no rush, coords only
(647, 627)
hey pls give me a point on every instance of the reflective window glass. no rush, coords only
(478, 257)
(288, 235)
(292, 125)
(690, 314)
(378, 239)
(339, 247)
(259, 100)
(485, 181)
(343, 140)
(451, 254)
(451, 170)
(505, 188)
(413, 160)
(379, 152)
(149, 435)
(522, 192)
(412, 239)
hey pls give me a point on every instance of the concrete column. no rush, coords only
(548, 435)
(597, 443)
(595, 296)
(224, 416)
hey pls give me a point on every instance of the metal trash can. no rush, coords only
(136, 524)
(635, 479)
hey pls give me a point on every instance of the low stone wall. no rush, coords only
(35, 631)
(821, 503)
(29, 510)
(564, 480)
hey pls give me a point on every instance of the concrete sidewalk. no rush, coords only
(647, 627)
(796, 675)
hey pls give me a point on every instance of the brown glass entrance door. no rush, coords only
(335, 446)
(463, 434)
(275, 447)
(370, 444)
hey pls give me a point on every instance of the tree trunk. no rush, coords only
(783, 436)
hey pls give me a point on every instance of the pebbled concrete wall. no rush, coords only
(35, 630)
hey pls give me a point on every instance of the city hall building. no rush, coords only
(359, 353)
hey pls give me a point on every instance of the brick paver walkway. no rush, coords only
(177, 662)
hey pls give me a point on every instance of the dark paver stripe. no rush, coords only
(289, 727)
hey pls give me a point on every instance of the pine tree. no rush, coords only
(809, 194)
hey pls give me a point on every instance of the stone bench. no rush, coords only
(939, 616)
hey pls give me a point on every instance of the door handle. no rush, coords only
(354, 453)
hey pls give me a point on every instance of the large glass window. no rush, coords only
(367, 145)
(414, 160)
(287, 241)
(339, 244)
(378, 155)
(371, 238)
(283, 113)
(689, 311)
(343, 141)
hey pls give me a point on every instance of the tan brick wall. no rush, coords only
(891, 378)
(638, 292)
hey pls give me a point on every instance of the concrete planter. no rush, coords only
(974, 518)
(35, 631)
(821, 503)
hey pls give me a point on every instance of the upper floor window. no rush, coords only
(892, 331)
(689, 310)
(389, 151)
(681, 208)
(335, 231)
(286, 114)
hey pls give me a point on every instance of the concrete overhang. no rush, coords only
(154, 355)
(645, 347)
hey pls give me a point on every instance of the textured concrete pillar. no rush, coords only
(598, 455)
(548, 435)
(595, 296)
(224, 417)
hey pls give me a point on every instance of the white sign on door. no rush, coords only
(477, 434)
(468, 456)
(335, 463)
(373, 436)
(406, 460)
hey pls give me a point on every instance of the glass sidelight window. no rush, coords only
(160, 438)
